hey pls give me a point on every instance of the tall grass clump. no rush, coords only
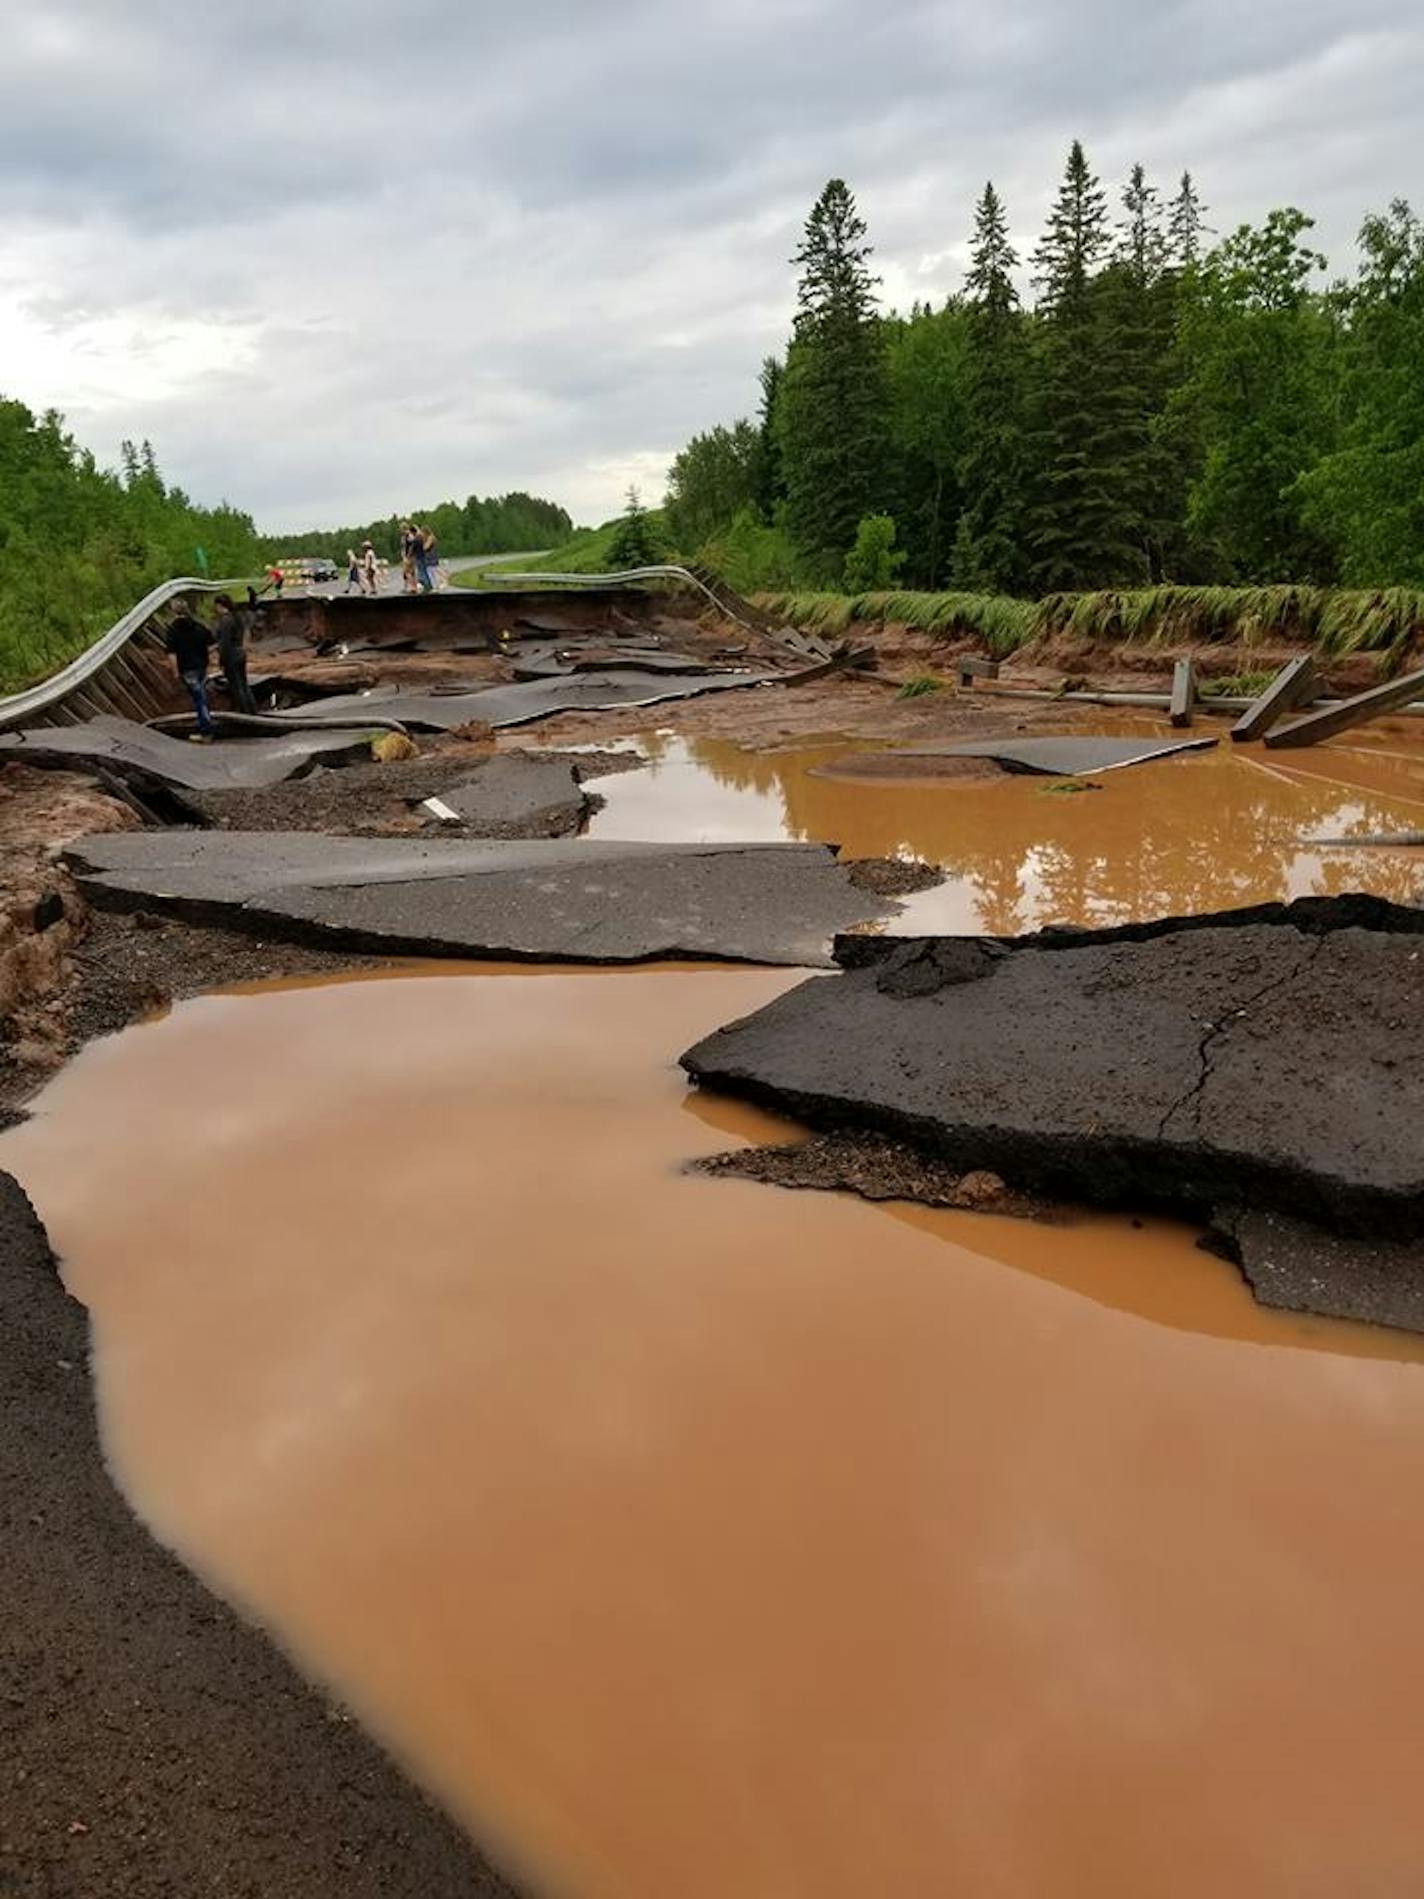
(1335, 621)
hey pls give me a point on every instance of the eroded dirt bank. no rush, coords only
(151, 1742)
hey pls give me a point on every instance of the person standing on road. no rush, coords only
(417, 555)
(429, 559)
(370, 569)
(353, 571)
(409, 541)
(231, 636)
(188, 640)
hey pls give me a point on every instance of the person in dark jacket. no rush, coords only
(188, 641)
(230, 633)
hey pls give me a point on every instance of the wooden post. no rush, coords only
(1184, 692)
(1294, 685)
(968, 669)
(1365, 705)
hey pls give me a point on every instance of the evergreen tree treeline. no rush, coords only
(1168, 408)
(503, 524)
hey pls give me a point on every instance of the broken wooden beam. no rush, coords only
(1184, 692)
(1365, 705)
(1294, 685)
(968, 669)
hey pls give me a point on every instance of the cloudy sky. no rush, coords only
(344, 259)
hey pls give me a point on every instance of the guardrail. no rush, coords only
(119, 673)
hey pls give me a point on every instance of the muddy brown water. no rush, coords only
(1208, 831)
(690, 1537)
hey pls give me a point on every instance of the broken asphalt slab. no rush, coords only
(138, 752)
(533, 699)
(569, 900)
(1069, 757)
(1300, 1268)
(1249, 1064)
(513, 791)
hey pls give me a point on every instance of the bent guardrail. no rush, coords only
(124, 671)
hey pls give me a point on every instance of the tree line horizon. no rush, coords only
(1166, 410)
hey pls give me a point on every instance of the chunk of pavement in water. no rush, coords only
(123, 746)
(1303, 1268)
(510, 789)
(566, 900)
(1251, 1064)
(534, 699)
(1070, 757)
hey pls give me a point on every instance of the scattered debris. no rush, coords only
(1339, 718)
(874, 1167)
(393, 748)
(967, 669)
(893, 876)
(1295, 684)
(1384, 840)
(1184, 693)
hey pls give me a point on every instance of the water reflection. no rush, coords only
(1202, 832)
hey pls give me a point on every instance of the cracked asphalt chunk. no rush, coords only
(1246, 1064)
(574, 900)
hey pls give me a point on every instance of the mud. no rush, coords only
(1251, 1064)
(744, 1563)
(150, 1742)
(42, 918)
(876, 1169)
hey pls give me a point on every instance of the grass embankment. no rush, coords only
(1334, 620)
(34, 653)
(586, 552)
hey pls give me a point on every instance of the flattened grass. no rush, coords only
(1334, 620)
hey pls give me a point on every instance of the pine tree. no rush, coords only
(1082, 528)
(986, 556)
(1142, 245)
(634, 544)
(832, 404)
(1075, 241)
(768, 478)
(1186, 225)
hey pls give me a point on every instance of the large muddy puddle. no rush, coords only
(1208, 831)
(694, 1538)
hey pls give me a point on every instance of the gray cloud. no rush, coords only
(337, 260)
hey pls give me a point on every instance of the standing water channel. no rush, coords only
(691, 1537)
